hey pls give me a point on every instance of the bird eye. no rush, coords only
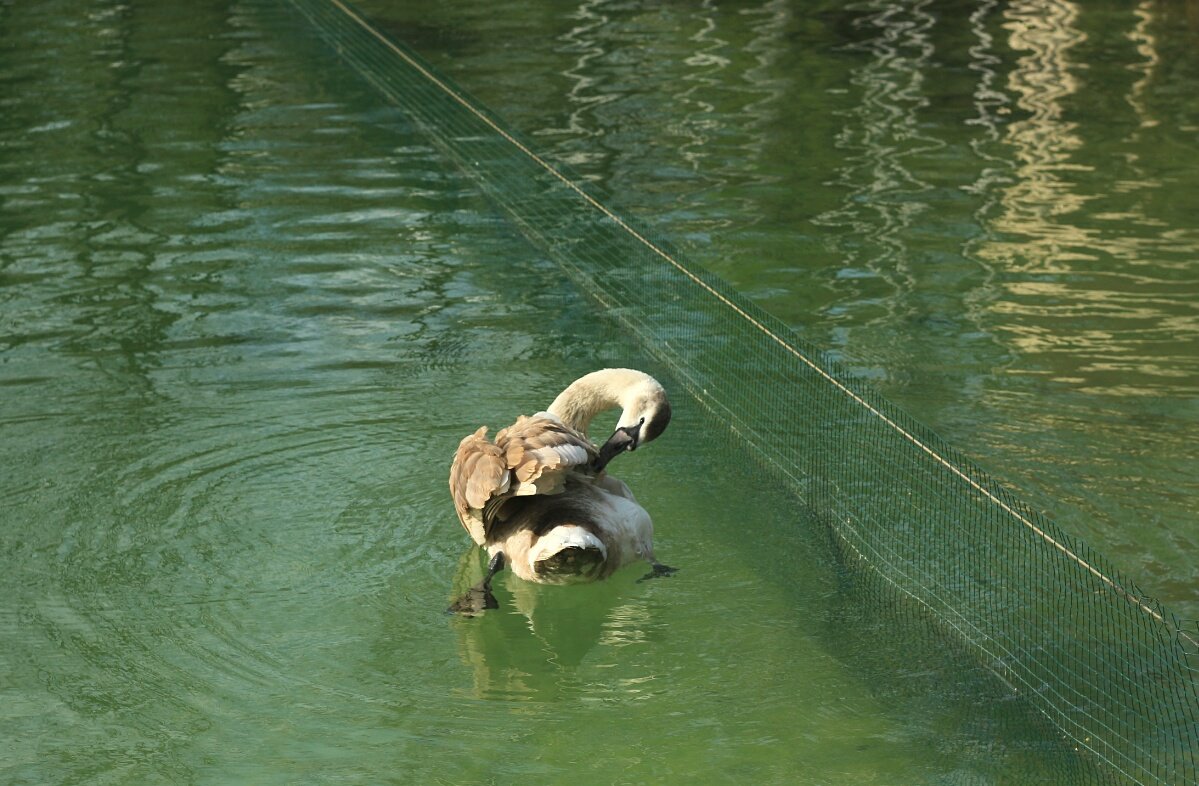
(642, 422)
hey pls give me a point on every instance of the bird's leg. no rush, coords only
(479, 598)
(658, 570)
(493, 567)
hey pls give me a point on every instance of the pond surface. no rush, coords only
(246, 313)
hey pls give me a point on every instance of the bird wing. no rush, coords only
(478, 473)
(532, 456)
(541, 450)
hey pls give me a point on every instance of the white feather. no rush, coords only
(566, 536)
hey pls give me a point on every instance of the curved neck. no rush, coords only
(601, 390)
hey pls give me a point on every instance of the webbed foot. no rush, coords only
(479, 598)
(474, 601)
(658, 571)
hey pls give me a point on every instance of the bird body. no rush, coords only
(539, 498)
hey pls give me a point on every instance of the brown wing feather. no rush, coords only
(532, 456)
(537, 445)
(478, 473)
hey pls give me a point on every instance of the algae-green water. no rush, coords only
(247, 311)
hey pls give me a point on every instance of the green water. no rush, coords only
(246, 313)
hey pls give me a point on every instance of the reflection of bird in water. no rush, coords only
(534, 648)
(538, 498)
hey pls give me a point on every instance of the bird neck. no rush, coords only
(597, 392)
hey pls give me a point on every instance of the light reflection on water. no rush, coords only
(1099, 306)
(246, 313)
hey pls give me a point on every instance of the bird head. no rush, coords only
(644, 418)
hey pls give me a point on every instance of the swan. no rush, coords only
(539, 498)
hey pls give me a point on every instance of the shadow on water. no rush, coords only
(953, 705)
(949, 700)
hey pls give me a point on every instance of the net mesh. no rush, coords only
(1112, 671)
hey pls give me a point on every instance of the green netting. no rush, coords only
(1106, 665)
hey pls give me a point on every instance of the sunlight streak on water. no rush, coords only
(1099, 325)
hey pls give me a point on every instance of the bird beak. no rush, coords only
(621, 440)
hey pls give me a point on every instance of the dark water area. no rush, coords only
(247, 311)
